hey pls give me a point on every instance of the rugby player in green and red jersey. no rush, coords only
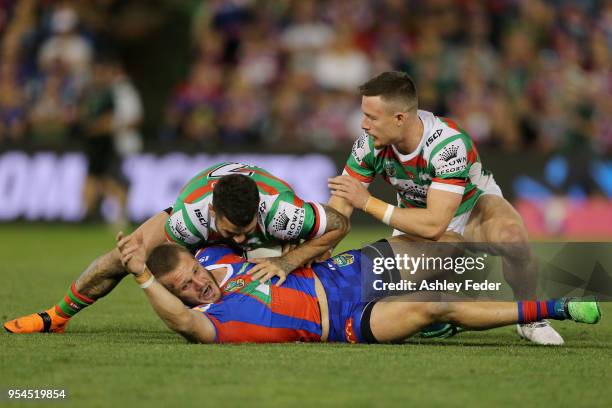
(229, 201)
(440, 182)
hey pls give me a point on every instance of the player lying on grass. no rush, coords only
(440, 181)
(228, 201)
(318, 303)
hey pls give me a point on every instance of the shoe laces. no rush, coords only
(537, 325)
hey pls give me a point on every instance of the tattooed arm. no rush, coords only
(337, 227)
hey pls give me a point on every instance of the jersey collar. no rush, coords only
(228, 274)
(427, 118)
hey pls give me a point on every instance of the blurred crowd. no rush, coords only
(516, 74)
(59, 83)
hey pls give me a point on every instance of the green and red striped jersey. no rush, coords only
(282, 215)
(446, 159)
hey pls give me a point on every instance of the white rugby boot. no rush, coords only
(540, 333)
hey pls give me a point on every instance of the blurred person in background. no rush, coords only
(97, 126)
(53, 112)
(66, 46)
(128, 112)
(190, 115)
(13, 89)
(13, 113)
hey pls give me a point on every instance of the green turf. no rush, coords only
(117, 352)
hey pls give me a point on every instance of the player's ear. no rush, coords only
(211, 210)
(400, 118)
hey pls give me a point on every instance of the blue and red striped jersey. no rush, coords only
(253, 311)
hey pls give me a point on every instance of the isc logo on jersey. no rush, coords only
(179, 229)
(288, 221)
(199, 216)
(433, 137)
(452, 158)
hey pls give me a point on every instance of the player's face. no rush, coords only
(191, 282)
(379, 121)
(237, 234)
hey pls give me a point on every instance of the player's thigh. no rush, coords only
(495, 220)
(449, 245)
(396, 318)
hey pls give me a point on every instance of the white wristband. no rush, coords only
(148, 283)
(388, 213)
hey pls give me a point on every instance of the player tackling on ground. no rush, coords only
(314, 304)
(243, 203)
(441, 184)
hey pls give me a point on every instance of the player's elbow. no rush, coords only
(435, 231)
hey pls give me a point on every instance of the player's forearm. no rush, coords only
(313, 249)
(422, 222)
(168, 307)
(341, 205)
(345, 208)
(418, 221)
(336, 228)
(176, 316)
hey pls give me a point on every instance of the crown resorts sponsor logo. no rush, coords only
(179, 229)
(288, 221)
(449, 152)
(281, 222)
(451, 159)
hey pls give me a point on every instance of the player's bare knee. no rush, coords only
(438, 311)
(510, 232)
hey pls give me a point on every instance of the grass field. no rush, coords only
(117, 353)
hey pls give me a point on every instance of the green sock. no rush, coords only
(72, 303)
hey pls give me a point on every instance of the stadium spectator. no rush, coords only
(53, 111)
(66, 46)
(507, 70)
(194, 105)
(128, 111)
(13, 120)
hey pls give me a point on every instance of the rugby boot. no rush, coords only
(44, 322)
(584, 310)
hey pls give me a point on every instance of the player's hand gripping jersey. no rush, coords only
(282, 215)
(445, 159)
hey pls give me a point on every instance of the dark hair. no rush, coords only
(395, 86)
(165, 258)
(236, 198)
